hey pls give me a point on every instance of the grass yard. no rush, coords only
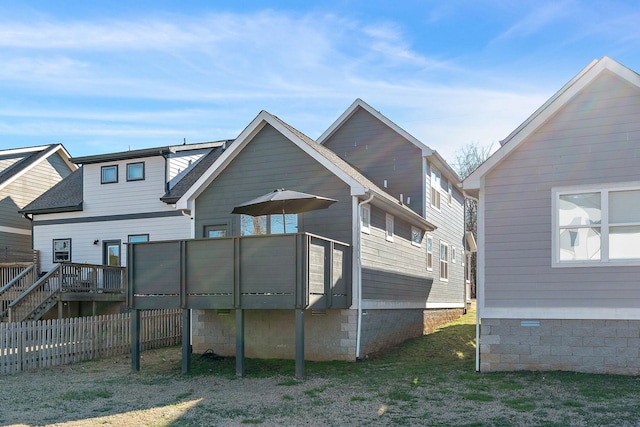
(429, 381)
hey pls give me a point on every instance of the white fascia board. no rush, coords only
(187, 199)
(359, 103)
(563, 313)
(52, 149)
(12, 151)
(370, 304)
(547, 110)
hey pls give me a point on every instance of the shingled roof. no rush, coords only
(65, 196)
(31, 156)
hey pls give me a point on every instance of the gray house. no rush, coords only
(559, 232)
(26, 173)
(359, 269)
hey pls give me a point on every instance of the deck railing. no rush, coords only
(33, 302)
(251, 272)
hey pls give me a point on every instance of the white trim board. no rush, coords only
(563, 313)
(14, 230)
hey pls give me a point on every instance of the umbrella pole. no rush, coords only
(284, 222)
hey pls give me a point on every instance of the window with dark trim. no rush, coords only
(61, 250)
(135, 171)
(215, 231)
(109, 174)
(137, 238)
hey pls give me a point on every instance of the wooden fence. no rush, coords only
(45, 343)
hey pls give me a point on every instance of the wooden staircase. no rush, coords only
(29, 296)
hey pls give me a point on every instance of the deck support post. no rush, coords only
(299, 343)
(239, 342)
(186, 340)
(135, 340)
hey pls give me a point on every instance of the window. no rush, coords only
(449, 192)
(416, 236)
(215, 231)
(365, 219)
(109, 174)
(435, 188)
(268, 224)
(137, 238)
(444, 261)
(135, 171)
(596, 226)
(61, 250)
(389, 228)
(453, 254)
(429, 252)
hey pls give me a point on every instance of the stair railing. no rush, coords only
(27, 305)
(15, 287)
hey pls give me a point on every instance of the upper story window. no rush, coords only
(429, 252)
(416, 236)
(109, 174)
(435, 188)
(453, 254)
(135, 171)
(61, 250)
(268, 224)
(596, 226)
(449, 192)
(444, 261)
(365, 219)
(389, 228)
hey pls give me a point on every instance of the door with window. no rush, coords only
(111, 257)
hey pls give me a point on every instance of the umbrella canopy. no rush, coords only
(283, 201)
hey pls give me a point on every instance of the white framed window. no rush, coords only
(429, 252)
(136, 238)
(453, 254)
(596, 225)
(109, 174)
(135, 171)
(389, 225)
(416, 236)
(444, 261)
(435, 188)
(365, 219)
(449, 192)
(61, 250)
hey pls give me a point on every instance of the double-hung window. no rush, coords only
(444, 261)
(365, 219)
(429, 252)
(435, 189)
(389, 227)
(61, 250)
(596, 225)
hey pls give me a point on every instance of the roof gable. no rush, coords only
(358, 183)
(543, 114)
(29, 158)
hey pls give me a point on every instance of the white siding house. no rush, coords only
(113, 199)
(559, 232)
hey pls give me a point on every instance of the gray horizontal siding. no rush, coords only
(14, 241)
(594, 139)
(381, 154)
(393, 271)
(268, 162)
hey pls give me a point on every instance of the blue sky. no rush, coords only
(110, 76)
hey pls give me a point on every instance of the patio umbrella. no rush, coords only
(281, 201)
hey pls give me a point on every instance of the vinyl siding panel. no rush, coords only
(83, 235)
(381, 154)
(15, 241)
(181, 162)
(393, 271)
(594, 139)
(24, 189)
(124, 196)
(449, 221)
(268, 162)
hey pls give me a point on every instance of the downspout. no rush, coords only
(359, 276)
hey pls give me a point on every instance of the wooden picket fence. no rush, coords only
(44, 343)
